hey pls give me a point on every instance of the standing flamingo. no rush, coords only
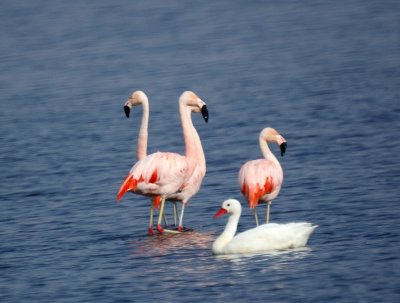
(163, 175)
(192, 186)
(193, 182)
(140, 98)
(260, 180)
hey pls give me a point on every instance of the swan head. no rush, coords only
(138, 97)
(195, 104)
(271, 135)
(231, 207)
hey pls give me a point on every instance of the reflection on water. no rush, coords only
(178, 258)
(165, 244)
(187, 245)
(175, 258)
(275, 260)
(289, 253)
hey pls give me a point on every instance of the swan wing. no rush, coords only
(271, 237)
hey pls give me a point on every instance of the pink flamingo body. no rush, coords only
(260, 180)
(168, 175)
(158, 174)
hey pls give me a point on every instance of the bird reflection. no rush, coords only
(276, 260)
(171, 244)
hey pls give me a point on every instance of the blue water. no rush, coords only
(326, 74)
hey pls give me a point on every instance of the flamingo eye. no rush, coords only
(228, 204)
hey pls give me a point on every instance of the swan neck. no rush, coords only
(231, 227)
(227, 235)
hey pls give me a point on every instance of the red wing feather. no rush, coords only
(129, 184)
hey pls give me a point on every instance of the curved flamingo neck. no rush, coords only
(266, 150)
(201, 159)
(187, 127)
(141, 148)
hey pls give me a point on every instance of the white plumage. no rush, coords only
(262, 238)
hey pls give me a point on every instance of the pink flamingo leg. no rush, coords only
(151, 232)
(180, 226)
(256, 216)
(268, 208)
(160, 215)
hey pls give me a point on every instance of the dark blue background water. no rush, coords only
(325, 74)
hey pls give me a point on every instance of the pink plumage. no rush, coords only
(158, 174)
(261, 180)
(169, 176)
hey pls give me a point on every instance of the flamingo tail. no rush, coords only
(156, 201)
(129, 184)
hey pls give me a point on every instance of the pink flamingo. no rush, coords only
(192, 186)
(140, 98)
(194, 180)
(260, 180)
(164, 175)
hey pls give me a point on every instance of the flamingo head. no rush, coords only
(230, 206)
(138, 97)
(270, 134)
(195, 104)
(282, 144)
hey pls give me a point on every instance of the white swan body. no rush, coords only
(262, 238)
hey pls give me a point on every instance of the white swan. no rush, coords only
(265, 237)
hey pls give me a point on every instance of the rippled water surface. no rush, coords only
(325, 74)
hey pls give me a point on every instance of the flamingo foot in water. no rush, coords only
(183, 229)
(159, 228)
(151, 231)
(177, 230)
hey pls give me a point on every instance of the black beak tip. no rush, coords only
(127, 110)
(204, 112)
(283, 148)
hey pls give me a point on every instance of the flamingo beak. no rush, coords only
(221, 212)
(127, 110)
(204, 112)
(283, 148)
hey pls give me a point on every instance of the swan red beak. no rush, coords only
(221, 212)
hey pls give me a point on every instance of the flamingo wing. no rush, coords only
(260, 180)
(156, 175)
(191, 185)
(271, 236)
